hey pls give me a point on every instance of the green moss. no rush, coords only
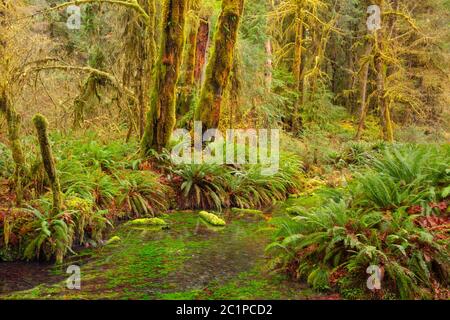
(246, 211)
(148, 222)
(163, 265)
(212, 219)
(41, 124)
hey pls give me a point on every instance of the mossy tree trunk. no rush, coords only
(13, 119)
(297, 121)
(187, 88)
(364, 76)
(139, 58)
(220, 64)
(201, 49)
(161, 117)
(381, 69)
(41, 124)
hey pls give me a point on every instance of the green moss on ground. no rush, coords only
(188, 261)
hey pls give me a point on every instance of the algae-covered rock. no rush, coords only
(247, 211)
(148, 222)
(113, 240)
(212, 219)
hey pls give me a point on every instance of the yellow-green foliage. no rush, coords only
(212, 219)
(81, 210)
(148, 222)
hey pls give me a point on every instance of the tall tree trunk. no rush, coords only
(297, 122)
(13, 119)
(201, 49)
(220, 64)
(381, 68)
(161, 117)
(187, 88)
(139, 55)
(363, 91)
(269, 66)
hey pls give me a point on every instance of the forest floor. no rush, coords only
(188, 260)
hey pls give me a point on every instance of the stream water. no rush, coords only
(190, 260)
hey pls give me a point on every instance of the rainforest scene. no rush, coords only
(224, 150)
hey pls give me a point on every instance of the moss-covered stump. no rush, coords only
(41, 124)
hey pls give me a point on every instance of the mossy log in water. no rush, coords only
(212, 219)
(161, 117)
(41, 124)
(219, 67)
(148, 222)
(247, 211)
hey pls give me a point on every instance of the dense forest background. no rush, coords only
(297, 64)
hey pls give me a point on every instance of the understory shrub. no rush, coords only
(394, 215)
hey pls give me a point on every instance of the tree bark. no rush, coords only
(381, 68)
(161, 117)
(201, 49)
(187, 89)
(139, 55)
(219, 67)
(363, 90)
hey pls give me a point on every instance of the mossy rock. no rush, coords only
(212, 219)
(148, 222)
(247, 211)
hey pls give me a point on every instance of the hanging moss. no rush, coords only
(220, 64)
(41, 124)
(161, 117)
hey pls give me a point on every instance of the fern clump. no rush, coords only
(142, 194)
(392, 215)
